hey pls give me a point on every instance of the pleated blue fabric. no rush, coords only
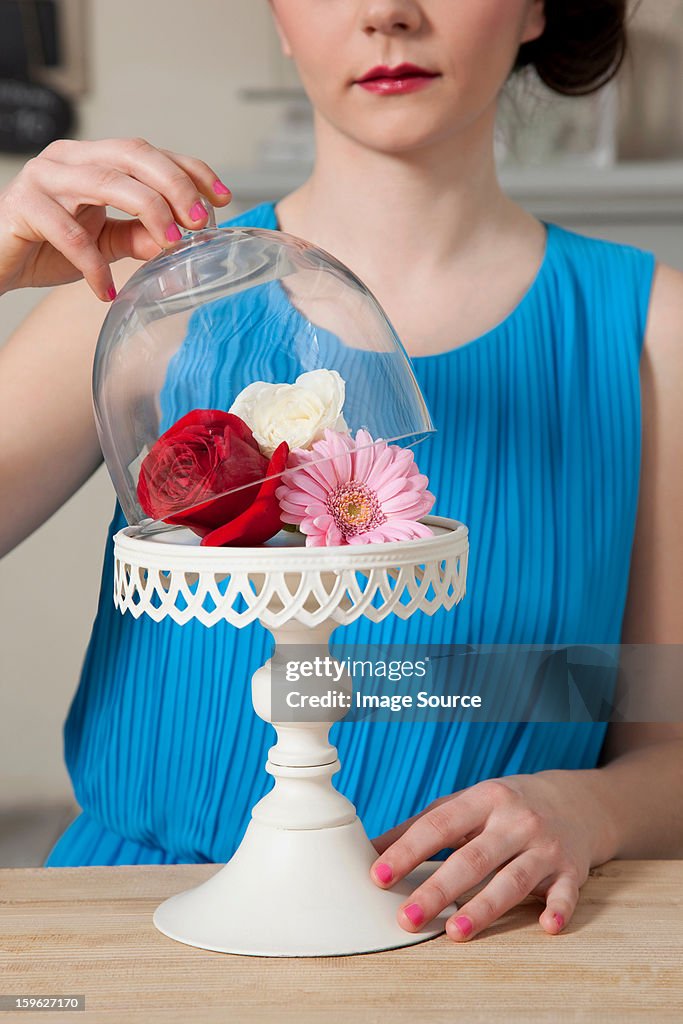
(537, 450)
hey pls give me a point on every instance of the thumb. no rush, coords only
(120, 238)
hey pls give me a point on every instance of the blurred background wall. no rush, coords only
(170, 71)
(176, 73)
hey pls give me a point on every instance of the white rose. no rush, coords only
(296, 413)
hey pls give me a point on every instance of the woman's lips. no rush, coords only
(389, 81)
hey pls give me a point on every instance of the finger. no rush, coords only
(459, 873)
(204, 177)
(381, 843)
(439, 827)
(507, 888)
(69, 237)
(388, 838)
(121, 237)
(141, 160)
(561, 900)
(101, 185)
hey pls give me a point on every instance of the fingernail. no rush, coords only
(111, 293)
(414, 913)
(198, 211)
(464, 924)
(559, 919)
(220, 189)
(173, 234)
(384, 873)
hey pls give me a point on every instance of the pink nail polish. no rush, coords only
(384, 873)
(111, 293)
(414, 913)
(559, 919)
(464, 924)
(173, 234)
(197, 212)
(220, 189)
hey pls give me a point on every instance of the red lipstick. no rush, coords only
(386, 81)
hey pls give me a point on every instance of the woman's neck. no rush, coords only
(376, 211)
(431, 233)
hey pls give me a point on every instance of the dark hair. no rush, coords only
(583, 45)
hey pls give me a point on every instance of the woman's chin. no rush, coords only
(401, 140)
(401, 131)
(403, 145)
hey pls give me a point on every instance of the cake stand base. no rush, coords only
(301, 892)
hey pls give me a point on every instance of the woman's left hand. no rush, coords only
(539, 834)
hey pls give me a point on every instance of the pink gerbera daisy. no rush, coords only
(346, 491)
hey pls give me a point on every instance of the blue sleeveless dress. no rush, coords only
(538, 451)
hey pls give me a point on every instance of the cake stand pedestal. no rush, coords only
(299, 884)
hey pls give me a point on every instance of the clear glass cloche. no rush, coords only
(225, 353)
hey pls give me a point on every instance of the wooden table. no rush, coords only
(89, 931)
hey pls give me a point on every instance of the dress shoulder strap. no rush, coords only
(610, 284)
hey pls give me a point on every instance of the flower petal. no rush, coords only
(390, 487)
(402, 502)
(365, 455)
(381, 464)
(261, 520)
(305, 482)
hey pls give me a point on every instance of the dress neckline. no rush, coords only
(515, 313)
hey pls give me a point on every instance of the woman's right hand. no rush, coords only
(53, 222)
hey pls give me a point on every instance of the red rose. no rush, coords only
(207, 452)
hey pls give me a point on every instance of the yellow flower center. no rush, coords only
(355, 508)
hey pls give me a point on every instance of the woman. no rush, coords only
(527, 343)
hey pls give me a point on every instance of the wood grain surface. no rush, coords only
(89, 931)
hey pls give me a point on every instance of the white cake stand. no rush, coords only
(299, 884)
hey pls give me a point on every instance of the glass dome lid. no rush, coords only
(229, 358)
